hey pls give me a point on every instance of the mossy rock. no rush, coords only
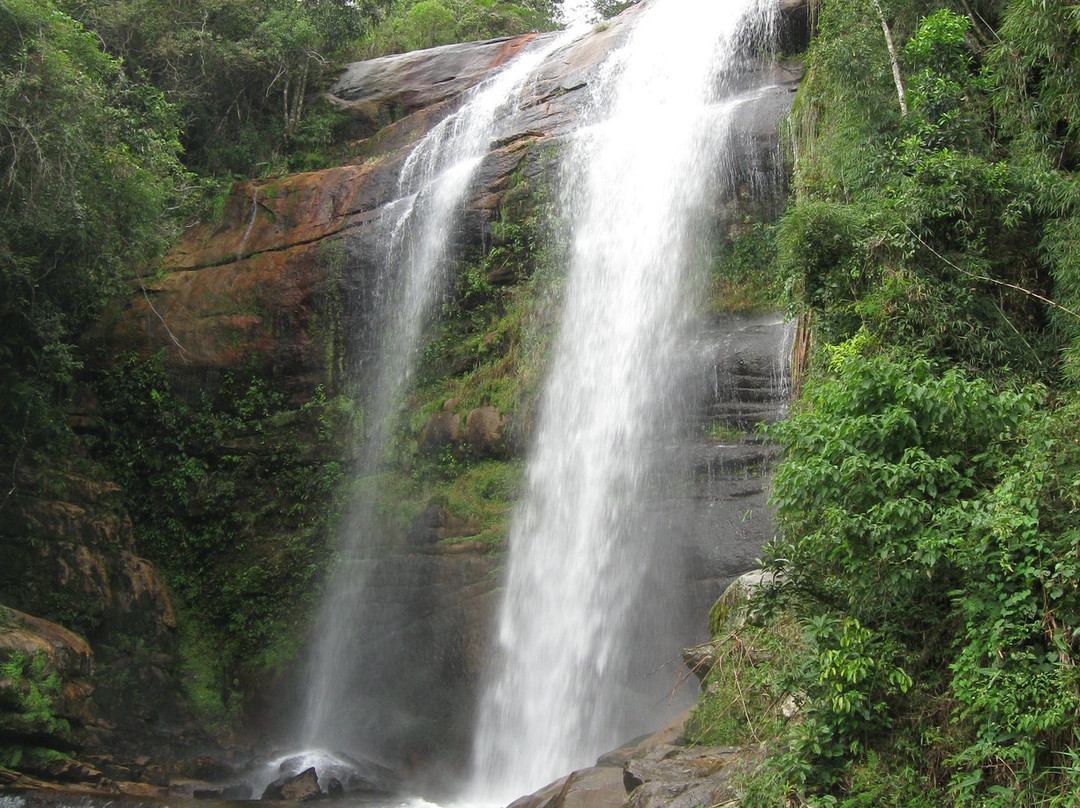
(730, 611)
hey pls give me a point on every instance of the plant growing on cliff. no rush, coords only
(36, 690)
(234, 494)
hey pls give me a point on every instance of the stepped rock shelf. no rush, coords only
(282, 286)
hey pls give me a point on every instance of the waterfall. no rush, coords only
(352, 698)
(580, 628)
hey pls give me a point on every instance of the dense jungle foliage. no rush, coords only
(919, 645)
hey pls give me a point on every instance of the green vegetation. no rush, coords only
(88, 160)
(30, 700)
(122, 120)
(919, 644)
(743, 275)
(36, 690)
(480, 493)
(240, 74)
(411, 24)
(922, 625)
(488, 348)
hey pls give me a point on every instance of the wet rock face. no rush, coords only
(425, 629)
(717, 516)
(70, 557)
(288, 282)
(71, 547)
(379, 91)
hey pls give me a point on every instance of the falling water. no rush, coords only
(578, 618)
(350, 693)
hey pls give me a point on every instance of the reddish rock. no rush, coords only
(132, 789)
(442, 429)
(484, 432)
(287, 212)
(79, 541)
(66, 652)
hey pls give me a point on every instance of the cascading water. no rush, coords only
(350, 695)
(578, 624)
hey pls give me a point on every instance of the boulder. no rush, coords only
(66, 652)
(729, 613)
(547, 797)
(341, 773)
(659, 771)
(378, 91)
(56, 663)
(302, 787)
(596, 787)
(441, 430)
(484, 432)
(691, 777)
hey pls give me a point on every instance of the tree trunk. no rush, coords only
(893, 58)
(294, 110)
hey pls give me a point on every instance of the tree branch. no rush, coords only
(988, 279)
(164, 324)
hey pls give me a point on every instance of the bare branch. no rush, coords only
(164, 324)
(988, 279)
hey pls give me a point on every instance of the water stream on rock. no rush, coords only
(582, 631)
(351, 695)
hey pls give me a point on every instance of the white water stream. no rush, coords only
(419, 233)
(580, 628)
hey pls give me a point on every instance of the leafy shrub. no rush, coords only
(886, 461)
(89, 159)
(1015, 669)
(821, 253)
(947, 90)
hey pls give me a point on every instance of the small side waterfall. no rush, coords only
(351, 695)
(580, 631)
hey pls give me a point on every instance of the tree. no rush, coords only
(240, 72)
(88, 167)
(427, 24)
